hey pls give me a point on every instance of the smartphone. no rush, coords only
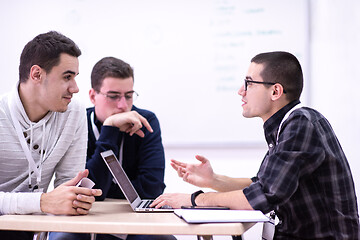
(205, 207)
(85, 182)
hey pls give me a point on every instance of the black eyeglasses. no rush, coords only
(247, 81)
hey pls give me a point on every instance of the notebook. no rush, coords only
(137, 204)
(220, 216)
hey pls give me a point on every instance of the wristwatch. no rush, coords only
(194, 195)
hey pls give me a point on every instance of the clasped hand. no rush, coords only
(67, 199)
(129, 122)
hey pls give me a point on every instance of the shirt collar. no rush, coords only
(272, 124)
(97, 122)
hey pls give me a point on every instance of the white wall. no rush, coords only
(335, 50)
(189, 52)
(333, 80)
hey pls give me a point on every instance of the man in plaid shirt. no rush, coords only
(304, 177)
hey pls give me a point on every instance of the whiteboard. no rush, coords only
(189, 57)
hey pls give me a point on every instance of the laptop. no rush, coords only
(137, 204)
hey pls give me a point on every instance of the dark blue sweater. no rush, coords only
(143, 158)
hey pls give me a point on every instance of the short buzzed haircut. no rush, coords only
(283, 68)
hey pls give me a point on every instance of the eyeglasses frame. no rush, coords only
(119, 96)
(252, 81)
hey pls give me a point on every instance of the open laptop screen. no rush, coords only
(121, 177)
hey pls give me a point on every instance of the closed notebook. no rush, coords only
(220, 216)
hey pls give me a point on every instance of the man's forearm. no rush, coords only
(223, 183)
(232, 199)
(20, 202)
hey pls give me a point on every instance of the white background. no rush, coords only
(190, 57)
(331, 68)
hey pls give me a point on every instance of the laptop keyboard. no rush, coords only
(148, 202)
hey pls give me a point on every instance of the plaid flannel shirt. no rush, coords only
(305, 178)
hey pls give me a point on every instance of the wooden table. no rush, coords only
(116, 216)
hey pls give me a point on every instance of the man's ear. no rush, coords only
(278, 91)
(92, 94)
(36, 73)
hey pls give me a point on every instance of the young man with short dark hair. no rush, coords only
(305, 177)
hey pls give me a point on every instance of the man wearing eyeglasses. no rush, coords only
(304, 178)
(140, 151)
(133, 134)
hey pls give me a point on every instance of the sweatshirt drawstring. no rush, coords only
(31, 144)
(42, 152)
